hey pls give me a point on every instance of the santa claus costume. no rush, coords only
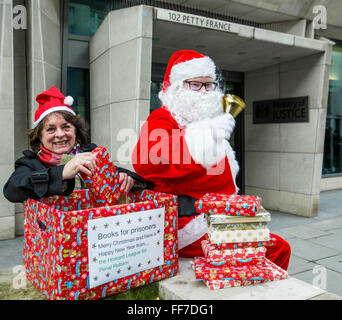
(183, 149)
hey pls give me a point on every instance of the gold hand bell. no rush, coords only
(232, 104)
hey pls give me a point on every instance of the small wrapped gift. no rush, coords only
(104, 183)
(240, 256)
(233, 236)
(262, 216)
(235, 205)
(223, 246)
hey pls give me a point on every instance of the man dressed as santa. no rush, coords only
(183, 148)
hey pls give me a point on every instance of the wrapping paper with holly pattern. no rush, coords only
(231, 276)
(233, 236)
(104, 184)
(275, 273)
(56, 243)
(239, 256)
(235, 205)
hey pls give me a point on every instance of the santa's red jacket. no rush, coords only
(184, 162)
(172, 158)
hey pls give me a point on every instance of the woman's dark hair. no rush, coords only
(81, 126)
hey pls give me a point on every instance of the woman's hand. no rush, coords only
(80, 163)
(126, 182)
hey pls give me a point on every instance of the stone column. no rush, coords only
(120, 75)
(284, 161)
(7, 216)
(44, 50)
(20, 100)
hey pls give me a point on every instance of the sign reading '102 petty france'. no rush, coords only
(198, 21)
(281, 110)
(126, 244)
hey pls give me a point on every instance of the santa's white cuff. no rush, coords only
(202, 146)
(194, 230)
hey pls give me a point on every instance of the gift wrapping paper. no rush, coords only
(237, 226)
(232, 236)
(239, 256)
(236, 205)
(56, 244)
(261, 216)
(231, 276)
(104, 184)
(223, 246)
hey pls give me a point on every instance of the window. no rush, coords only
(332, 159)
(85, 16)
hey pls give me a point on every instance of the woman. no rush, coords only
(59, 154)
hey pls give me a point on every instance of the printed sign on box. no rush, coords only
(123, 245)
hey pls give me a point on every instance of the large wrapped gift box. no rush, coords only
(56, 243)
(232, 276)
(235, 205)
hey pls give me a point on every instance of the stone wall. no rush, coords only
(284, 161)
(7, 157)
(120, 74)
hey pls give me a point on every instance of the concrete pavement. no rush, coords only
(315, 267)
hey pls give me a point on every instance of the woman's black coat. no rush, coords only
(31, 179)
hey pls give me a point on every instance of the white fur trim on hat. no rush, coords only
(197, 67)
(69, 100)
(58, 108)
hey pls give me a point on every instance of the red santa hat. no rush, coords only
(49, 101)
(187, 64)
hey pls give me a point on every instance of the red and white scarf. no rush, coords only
(50, 159)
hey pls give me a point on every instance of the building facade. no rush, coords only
(284, 58)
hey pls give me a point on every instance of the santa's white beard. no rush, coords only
(187, 106)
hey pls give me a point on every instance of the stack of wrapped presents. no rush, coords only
(234, 251)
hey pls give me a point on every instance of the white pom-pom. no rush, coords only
(69, 100)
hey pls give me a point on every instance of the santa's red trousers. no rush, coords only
(279, 253)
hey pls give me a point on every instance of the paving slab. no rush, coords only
(333, 263)
(309, 250)
(304, 232)
(328, 224)
(324, 278)
(333, 241)
(298, 264)
(185, 287)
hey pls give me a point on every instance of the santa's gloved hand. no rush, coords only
(222, 126)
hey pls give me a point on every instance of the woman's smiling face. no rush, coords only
(58, 135)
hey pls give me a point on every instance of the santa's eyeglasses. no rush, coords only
(197, 85)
